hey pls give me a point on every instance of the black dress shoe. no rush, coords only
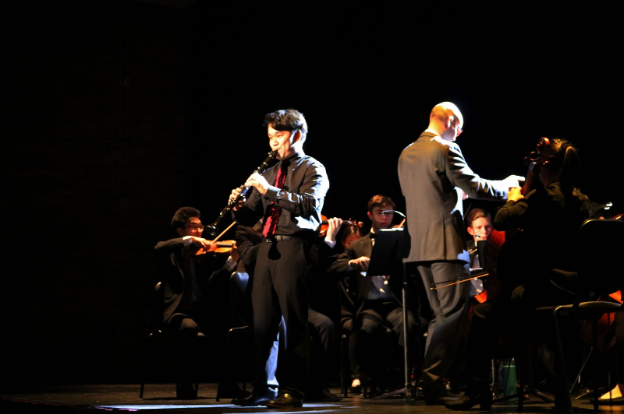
(476, 393)
(285, 400)
(466, 402)
(435, 398)
(256, 398)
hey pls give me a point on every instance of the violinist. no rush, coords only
(370, 303)
(542, 255)
(488, 314)
(289, 198)
(185, 278)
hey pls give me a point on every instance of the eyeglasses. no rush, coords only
(459, 129)
(200, 228)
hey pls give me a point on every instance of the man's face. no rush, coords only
(192, 227)
(454, 128)
(282, 142)
(481, 229)
(380, 219)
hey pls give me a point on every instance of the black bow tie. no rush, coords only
(372, 235)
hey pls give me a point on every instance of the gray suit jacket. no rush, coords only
(431, 170)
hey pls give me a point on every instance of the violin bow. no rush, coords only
(201, 251)
(456, 281)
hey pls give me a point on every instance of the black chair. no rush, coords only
(600, 273)
(158, 346)
(238, 355)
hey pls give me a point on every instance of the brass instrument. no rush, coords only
(212, 228)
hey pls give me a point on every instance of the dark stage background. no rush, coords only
(116, 113)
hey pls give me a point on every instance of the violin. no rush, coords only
(535, 161)
(325, 225)
(220, 247)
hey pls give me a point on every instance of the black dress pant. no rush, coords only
(280, 288)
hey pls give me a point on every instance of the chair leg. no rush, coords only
(344, 365)
(560, 359)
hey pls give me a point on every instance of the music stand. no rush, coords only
(386, 252)
(386, 255)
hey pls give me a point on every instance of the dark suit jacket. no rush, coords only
(173, 278)
(431, 170)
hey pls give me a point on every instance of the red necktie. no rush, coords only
(273, 211)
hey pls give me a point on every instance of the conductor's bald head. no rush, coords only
(447, 120)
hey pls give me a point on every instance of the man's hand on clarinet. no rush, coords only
(234, 195)
(258, 182)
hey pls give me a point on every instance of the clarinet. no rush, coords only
(212, 228)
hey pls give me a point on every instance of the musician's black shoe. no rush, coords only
(431, 395)
(477, 394)
(256, 398)
(285, 400)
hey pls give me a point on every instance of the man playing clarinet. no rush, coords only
(288, 197)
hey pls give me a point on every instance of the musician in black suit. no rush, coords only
(372, 301)
(184, 279)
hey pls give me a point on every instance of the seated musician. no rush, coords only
(370, 303)
(488, 314)
(542, 254)
(185, 278)
(479, 225)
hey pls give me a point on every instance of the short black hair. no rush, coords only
(476, 213)
(182, 215)
(379, 201)
(287, 120)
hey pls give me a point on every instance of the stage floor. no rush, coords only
(160, 399)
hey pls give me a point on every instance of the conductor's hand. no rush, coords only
(514, 181)
(234, 195)
(360, 263)
(258, 182)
